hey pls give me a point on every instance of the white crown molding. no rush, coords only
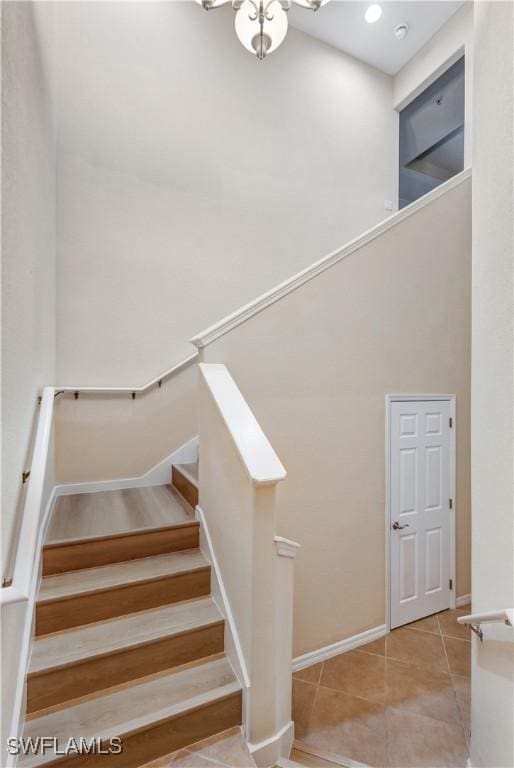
(329, 651)
(207, 336)
(160, 474)
(286, 547)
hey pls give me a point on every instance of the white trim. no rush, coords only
(158, 475)
(346, 762)
(503, 616)
(329, 651)
(11, 595)
(26, 551)
(233, 647)
(462, 600)
(432, 77)
(389, 399)
(276, 747)
(137, 390)
(241, 315)
(260, 461)
(286, 547)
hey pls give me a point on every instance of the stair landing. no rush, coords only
(108, 513)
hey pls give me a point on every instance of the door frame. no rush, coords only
(389, 400)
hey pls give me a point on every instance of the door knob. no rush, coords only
(398, 527)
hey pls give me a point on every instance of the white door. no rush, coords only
(420, 503)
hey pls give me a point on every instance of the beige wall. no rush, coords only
(431, 60)
(108, 437)
(393, 317)
(192, 177)
(492, 728)
(28, 239)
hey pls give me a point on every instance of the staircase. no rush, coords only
(128, 641)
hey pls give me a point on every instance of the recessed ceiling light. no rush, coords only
(373, 13)
(401, 31)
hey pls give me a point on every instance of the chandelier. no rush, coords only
(261, 25)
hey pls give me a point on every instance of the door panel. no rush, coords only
(420, 482)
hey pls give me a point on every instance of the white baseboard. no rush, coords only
(462, 600)
(330, 757)
(314, 657)
(158, 475)
(277, 747)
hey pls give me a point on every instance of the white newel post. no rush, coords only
(239, 473)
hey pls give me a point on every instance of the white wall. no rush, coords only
(492, 727)
(434, 58)
(192, 177)
(28, 239)
(392, 317)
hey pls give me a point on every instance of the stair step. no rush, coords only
(185, 479)
(92, 529)
(153, 717)
(81, 661)
(104, 513)
(77, 554)
(95, 594)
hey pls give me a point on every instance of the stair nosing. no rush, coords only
(121, 584)
(89, 655)
(121, 534)
(130, 728)
(150, 719)
(124, 585)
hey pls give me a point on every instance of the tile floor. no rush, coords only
(402, 701)
(227, 749)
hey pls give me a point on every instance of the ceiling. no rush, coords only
(341, 24)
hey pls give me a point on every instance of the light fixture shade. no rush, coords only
(308, 3)
(248, 27)
(212, 3)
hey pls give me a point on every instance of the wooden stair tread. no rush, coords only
(77, 644)
(119, 574)
(108, 513)
(190, 471)
(135, 707)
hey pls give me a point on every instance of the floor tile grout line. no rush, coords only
(314, 701)
(368, 653)
(352, 695)
(205, 757)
